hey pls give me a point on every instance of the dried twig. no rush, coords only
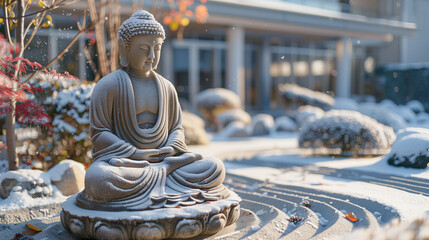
(91, 63)
(99, 33)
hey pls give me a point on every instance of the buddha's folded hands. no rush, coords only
(123, 162)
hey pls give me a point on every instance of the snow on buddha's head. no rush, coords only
(140, 23)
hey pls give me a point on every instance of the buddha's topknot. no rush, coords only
(141, 22)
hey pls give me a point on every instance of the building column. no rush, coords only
(167, 61)
(194, 78)
(344, 67)
(265, 79)
(235, 61)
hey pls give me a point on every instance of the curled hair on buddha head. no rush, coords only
(140, 23)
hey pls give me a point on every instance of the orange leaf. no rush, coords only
(188, 13)
(33, 227)
(167, 20)
(350, 216)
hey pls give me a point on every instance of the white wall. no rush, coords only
(416, 48)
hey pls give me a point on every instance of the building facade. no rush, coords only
(253, 46)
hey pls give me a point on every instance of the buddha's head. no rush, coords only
(140, 41)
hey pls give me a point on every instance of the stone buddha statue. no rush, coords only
(140, 157)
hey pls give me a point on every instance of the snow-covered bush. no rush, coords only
(383, 115)
(285, 124)
(410, 149)
(231, 115)
(294, 94)
(212, 102)
(422, 118)
(195, 134)
(416, 106)
(262, 124)
(405, 112)
(343, 103)
(71, 124)
(67, 103)
(346, 133)
(307, 112)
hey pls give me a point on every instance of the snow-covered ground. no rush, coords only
(274, 177)
(277, 159)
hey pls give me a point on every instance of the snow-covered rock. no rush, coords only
(214, 97)
(195, 134)
(294, 94)
(285, 124)
(410, 150)
(396, 230)
(231, 115)
(410, 130)
(307, 112)
(347, 133)
(212, 102)
(262, 124)
(235, 129)
(416, 106)
(68, 176)
(343, 103)
(383, 115)
(35, 182)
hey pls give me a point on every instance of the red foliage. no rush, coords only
(12, 88)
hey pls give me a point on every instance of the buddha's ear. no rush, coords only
(123, 58)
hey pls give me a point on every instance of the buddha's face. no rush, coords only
(143, 54)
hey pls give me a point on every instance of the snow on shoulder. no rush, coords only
(343, 132)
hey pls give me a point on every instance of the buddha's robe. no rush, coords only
(115, 134)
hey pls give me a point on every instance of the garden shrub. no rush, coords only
(195, 134)
(297, 95)
(343, 132)
(67, 103)
(383, 115)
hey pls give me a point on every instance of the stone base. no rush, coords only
(185, 222)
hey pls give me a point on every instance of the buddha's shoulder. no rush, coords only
(166, 82)
(108, 83)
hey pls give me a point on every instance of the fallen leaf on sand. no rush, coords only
(350, 216)
(33, 227)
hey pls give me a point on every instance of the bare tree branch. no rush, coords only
(81, 30)
(99, 33)
(91, 63)
(52, 7)
(6, 22)
(36, 27)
